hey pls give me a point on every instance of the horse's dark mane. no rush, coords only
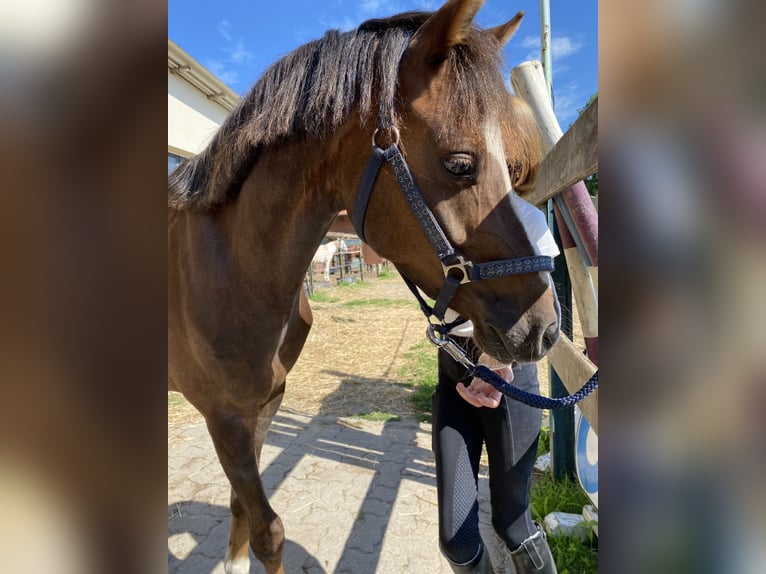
(314, 89)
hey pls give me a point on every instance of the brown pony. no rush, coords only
(247, 214)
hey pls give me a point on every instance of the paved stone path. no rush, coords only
(356, 497)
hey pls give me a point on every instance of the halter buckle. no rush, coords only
(465, 267)
(450, 347)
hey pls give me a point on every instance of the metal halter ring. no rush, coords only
(394, 131)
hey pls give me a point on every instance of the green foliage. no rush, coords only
(323, 297)
(572, 556)
(387, 274)
(544, 445)
(589, 102)
(352, 284)
(591, 182)
(548, 495)
(175, 399)
(421, 373)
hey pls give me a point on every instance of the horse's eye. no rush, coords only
(460, 164)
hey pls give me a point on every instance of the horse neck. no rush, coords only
(288, 202)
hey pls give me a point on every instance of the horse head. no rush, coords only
(467, 142)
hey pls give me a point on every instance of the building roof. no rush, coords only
(183, 65)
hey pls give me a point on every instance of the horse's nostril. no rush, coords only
(551, 335)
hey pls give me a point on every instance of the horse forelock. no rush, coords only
(473, 85)
(313, 90)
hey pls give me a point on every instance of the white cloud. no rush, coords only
(222, 71)
(239, 54)
(228, 67)
(224, 27)
(563, 46)
(560, 46)
(568, 99)
(530, 42)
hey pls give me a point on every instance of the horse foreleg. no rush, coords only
(252, 516)
(237, 560)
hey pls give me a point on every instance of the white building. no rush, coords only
(198, 102)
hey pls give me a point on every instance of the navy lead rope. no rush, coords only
(443, 341)
(531, 399)
(438, 333)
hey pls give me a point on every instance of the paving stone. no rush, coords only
(355, 497)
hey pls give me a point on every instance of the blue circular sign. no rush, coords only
(586, 459)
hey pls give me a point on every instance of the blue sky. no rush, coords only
(237, 40)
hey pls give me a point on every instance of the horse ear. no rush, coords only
(446, 28)
(504, 32)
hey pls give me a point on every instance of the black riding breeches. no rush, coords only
(510, 433)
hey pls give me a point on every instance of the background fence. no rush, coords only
(347, 264)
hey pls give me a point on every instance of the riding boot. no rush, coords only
(480, 564)
(533, 556)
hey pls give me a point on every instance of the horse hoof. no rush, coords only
(237, 566)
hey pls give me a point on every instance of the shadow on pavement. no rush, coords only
(187, 517)
(393, 456)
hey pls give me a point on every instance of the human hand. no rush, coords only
(482, 394)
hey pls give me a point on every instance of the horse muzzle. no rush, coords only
(525, 337)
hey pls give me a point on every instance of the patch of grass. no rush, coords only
(352, 284)
(387, 274)
(421, 373)
(378, 416)
(377, 303)
(572, 556)
(547, 495)
(323, 297)
(176, 399)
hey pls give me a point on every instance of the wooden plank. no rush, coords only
(573, 158)
(575, 370)
(594, 276)
(584, 292)
(529, 83)
(582, 286)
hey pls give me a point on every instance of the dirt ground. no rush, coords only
(355, 351)
(351, 361)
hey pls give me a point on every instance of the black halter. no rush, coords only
(457, 271)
